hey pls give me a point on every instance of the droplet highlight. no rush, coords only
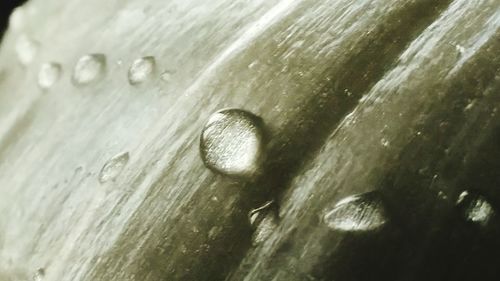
(112, 169)
(232, 143)
(364, 212)
(141, 70)
(26, 49)
(475, 208)
(17, 18)
(256, 215)
(88, 69)
(49, 74)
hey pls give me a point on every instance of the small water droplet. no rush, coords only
(39, 274)
(364, 212)
(26, 49)
(264, 220)
(88, 69)
(442, 195)
(166, 75)
(49, 74)
(475, 208)
(214, 232)
(113, 167)
(253, 64)
(460, 49)
(385, 142)
(141, 69)
(265, 228)
(232, 143)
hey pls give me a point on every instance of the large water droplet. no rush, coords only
(88, 69)
(141, 69)
(113, 167)
(49, 74)
(364, 212)
(232, 143)
(26, 49)
(475, 208)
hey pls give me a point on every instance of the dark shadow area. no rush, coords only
(457, 150)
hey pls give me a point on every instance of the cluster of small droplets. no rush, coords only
(88, 69)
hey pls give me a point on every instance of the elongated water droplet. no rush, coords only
(49, 74)
(265, 228)
(113, 167)
(26, 49)
(364, 212)
(232, 143)
(141, 69)
(88, 69)
(475, 208)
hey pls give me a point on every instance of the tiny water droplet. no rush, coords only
(364, 212)
(26, 49)
(39, 274)
(385, 142)
(113, 167)
(88, 69)
(141, 69)
(232, 143)
(460, 49)
(475, 208)
(166, 75)
(442, 195)
(253, 64)
(49, 74)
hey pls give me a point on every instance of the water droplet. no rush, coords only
(385, 143)
(39, 274)
(166, 75)
(442, 195)
(265, 228)
(475, 208)
(88, 69)
(141, 69)
(26, 49)
(460, 49)
(232, 143)
(49, 74)
(364, 212)
(16, 19)
(265, 220)
(113, 167)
